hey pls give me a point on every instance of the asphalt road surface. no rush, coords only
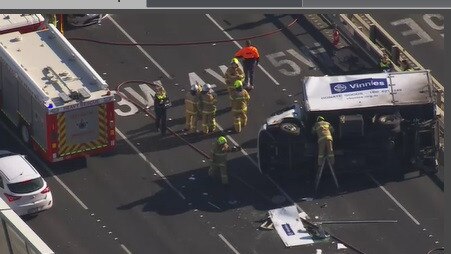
(153, 194)
(422, 35)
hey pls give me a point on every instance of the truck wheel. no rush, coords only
(25, 133)
(290, 128)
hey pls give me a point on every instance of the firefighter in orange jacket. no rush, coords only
(240, 100)
(250, 57)
(192, 108)
(324, 132)
(233, 74)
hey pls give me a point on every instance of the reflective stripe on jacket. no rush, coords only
(240, 99)
(208, 102)
(233, 74)
(219, 153)
(323, 130)
(191, 103)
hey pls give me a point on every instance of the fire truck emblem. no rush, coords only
(82, 124)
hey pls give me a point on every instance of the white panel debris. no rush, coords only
(289, 226)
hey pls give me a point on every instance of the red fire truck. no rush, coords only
(58, 102)
(22, 23)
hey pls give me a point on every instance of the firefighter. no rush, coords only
(335, 40)
(192, 108)
(405, 66)
(52, 19)
(233, 74)
(324, 132)
(250, 57)
(219, 159)
(160, 106)
(385, 63)
(240, 100)
(208, 102)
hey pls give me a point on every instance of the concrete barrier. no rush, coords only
(16, 237)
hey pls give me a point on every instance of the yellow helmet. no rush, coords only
(320, 118)
(235, 61)
(222, 140)
(238, 84)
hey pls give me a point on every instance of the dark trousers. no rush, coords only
(248, 68)
(160, 119)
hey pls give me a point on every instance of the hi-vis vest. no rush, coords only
(323, 129)
(191, 103)
(240, 100)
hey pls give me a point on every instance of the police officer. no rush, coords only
(208, 102)
(219, 159)
(192, 108)
(324, 132)
(160, 106)
(233, 74)
(250, 57)
(240, 100)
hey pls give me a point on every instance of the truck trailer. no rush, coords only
(59, 104)
(382, 121)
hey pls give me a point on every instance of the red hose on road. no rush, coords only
(166, 44)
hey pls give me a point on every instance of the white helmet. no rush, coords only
(194, 87)
(206, 87)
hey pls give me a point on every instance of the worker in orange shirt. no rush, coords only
(250, 57)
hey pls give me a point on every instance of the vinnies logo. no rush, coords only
(358, 85)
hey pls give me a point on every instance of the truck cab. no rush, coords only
(382, 121)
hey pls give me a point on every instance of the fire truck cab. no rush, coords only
(57, 101)
(382, 121)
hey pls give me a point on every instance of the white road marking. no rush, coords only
(247, 155)
(45, 167)
(395, 200)
(415, 29)
(215, 206)
(240, 47)
(228, 244)
(150, 164)
(139, 47)
(125, 249)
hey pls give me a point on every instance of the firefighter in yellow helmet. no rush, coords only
(208, 102)
(240, 100)
(192, 108)
(233, 73)
(52, 19)
(324, 132)
(219, 159)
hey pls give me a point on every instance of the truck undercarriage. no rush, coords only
(395, 139)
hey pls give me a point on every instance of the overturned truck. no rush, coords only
(382, 121)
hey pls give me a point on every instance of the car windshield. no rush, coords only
(26, 186)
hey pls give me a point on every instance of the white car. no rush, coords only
(84, 19)
(21, 185)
